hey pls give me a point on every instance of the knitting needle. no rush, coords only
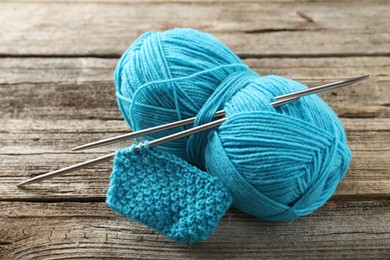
(165, 139)
(146, 131)
(111, 155)
(323, 88)
(279, 101)
(107, 157)
(152, 143)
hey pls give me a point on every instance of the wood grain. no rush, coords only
(73, 103)
(56, 92)
(83, 87)
(251, 29)
(354, 229)
(34, 147)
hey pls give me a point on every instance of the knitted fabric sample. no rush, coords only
(167, 194)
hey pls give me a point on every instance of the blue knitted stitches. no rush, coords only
(167, 194)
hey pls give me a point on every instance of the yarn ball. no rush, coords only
(278, 163)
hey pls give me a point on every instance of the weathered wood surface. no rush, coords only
(273, 28)
(70, 230)
(52, 99)
(82, 88)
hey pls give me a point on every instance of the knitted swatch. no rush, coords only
(167, 194)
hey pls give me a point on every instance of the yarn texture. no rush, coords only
(276, 163)
(166, 193)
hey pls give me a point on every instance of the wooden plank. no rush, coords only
(83, 88)
(31, 147)
(252, 29)
(348, 229)
(30, 136)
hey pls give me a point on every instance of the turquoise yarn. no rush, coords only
(277, 163)
(167, 194)
(169, 76)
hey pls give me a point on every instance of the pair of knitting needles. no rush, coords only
(280, 100)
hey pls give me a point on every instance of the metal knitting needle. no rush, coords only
(111, 155)
(146, 131)
(156, 142)
(323, 88)
(279, 101)
(164, 139)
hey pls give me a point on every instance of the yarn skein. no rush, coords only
(277, 163)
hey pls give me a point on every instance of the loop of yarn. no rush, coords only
(278, 163)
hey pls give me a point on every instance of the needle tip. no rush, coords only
(82, 147)
(89, 145)
(360, 78)
(356, 79)
(20, 185)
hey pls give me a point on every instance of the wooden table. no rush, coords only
(56, 92)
